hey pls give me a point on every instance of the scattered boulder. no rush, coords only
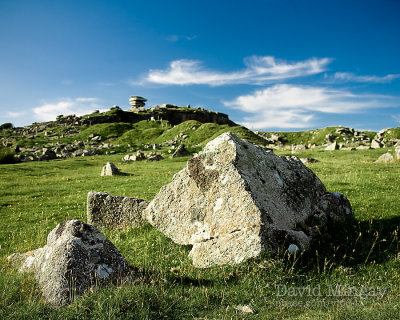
(48, 154)
(298, 147)
(110, 170)
(181, 151)
(134, 157)
(234, 199)
(376, 144)
(385, 158)
(397, 152)
(153, 156)
(309, 160)
(333, 146)
(114, 212)
(77, 257)
(363, 148)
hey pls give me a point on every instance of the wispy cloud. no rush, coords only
(290, 106)
(258, 71)
(15, 114)
(351, 77)
(65, 106)
(176, 38)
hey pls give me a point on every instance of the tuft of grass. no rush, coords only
(7, 156)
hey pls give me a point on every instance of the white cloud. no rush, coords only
(65, 106)
(15, 114)
(176, 38)
(290, 106)
(259, 70)
(351, 77)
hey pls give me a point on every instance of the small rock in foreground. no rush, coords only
(76, 257)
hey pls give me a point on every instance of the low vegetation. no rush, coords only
(35, 196)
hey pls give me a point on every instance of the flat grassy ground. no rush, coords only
(35, 196)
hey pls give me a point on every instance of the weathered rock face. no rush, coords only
(110, 169)
(397, 152)
(105, 210)
(385, 158)
(333, 146)
(234, 199)
(76, 257)
(376, 144)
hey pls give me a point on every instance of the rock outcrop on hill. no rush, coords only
(76, 257)
(234, 200)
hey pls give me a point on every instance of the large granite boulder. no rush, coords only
(114, 212)
(76, 257)
(234, 200)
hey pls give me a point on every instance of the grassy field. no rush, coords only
(35, 196)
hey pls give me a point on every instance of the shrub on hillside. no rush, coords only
(6, 125)
(7, 156)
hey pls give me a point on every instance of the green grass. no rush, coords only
(35, 196)
(105, 130)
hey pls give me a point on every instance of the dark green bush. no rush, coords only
(6, 125)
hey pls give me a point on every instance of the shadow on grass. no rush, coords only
(356, 244)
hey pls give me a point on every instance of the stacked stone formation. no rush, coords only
(137, 103)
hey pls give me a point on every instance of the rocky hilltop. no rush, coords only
(164, 127)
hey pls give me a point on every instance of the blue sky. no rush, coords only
(269, 64)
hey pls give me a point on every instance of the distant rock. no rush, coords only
(114, 212)
(153, 156)
(376, 144)
(234, 200)
(309, 160)
(385, 158)
(48, 154)
(76, 257)
(333, 146)
(363, 148)
(181, 151)
(110, 170)
(298, 147)
(397, 152)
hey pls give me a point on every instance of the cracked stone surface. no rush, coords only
(234, 200)
(76, 257)
(114, 212)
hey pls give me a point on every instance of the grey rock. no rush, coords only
(48, 154)
(181, 151)
(333, 146)
(385, 158)
(376, 144)
(110, 170)
(298, 147)
(114, 212)
(152, 156)
(77, 257)
(397, 152)
(309, 160)
(363, 148)
(234, 199)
